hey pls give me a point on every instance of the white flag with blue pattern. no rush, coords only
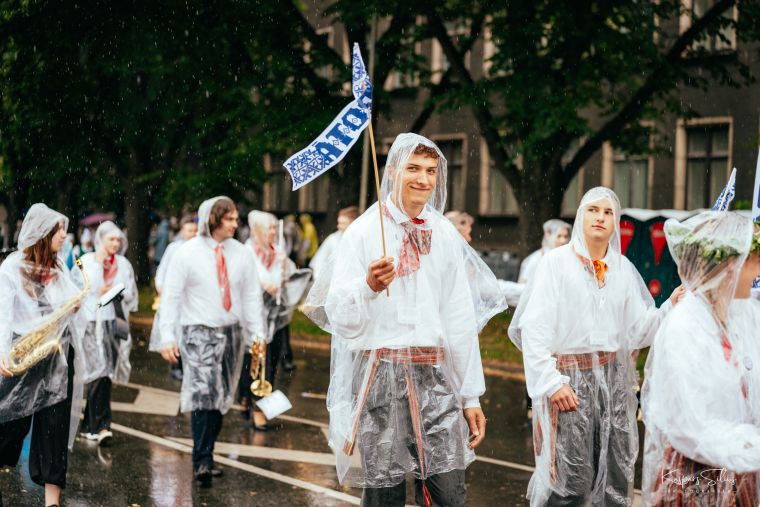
(727, 195)
(333, 143)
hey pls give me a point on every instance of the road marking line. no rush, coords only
(262, 452)
(314, 488)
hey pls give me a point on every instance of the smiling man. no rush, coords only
(582, 315)
(406, 369)
(211, 302)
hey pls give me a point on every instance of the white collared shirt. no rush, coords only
(192, 294)
(565, 312)
(429, 308)
(163, 266)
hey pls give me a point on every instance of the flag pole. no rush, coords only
(377, 189)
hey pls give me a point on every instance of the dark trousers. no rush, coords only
(206, 425)
(48, 454)
(97, 412)
(446, 489)
(286, 349)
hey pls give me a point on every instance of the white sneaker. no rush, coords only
(104, 438)
(88, 436)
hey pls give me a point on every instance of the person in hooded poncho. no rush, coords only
(556, 233)
(581, 316)
(188, 229)
(701, 396)
(329, 247)
(46, 398)
(406, 374)
(210, 307)
(283, 286)
(105, 354)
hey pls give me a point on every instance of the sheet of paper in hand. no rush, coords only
(275, 404)
(112, 294)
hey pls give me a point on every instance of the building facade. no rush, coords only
(688, 171)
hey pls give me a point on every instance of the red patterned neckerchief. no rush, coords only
(110, 269)
(266, 255)
(416, 242)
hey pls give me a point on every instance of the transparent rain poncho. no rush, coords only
(578, 328)
(104, 355)
(513, 290)
(276, 272)
(404, 364)
(29, 295)
(211, 340)
(702, 385)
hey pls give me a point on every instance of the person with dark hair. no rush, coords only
(211, 306)
(34, 285)
(188, 229)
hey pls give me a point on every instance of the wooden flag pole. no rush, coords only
(377, 188)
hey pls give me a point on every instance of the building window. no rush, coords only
(723, 41)
(453, 150)
(458, 31)
(496, 196)
(707, 162)
(631, 179)
(573, 193)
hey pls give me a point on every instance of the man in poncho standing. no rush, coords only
(582, 315)
(406, 371)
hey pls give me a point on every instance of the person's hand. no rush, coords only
(170, 352)
(4, 372)
(380, 274)
(565, 400)
(104, 289)
(476, 420)
(271, 289)
(677, 295)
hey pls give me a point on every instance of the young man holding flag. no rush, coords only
(406, 371)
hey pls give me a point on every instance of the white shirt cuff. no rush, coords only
(473, 402)
(367, 291)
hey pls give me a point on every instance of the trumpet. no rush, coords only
(260, 386)
(34, 346)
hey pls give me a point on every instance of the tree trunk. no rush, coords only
(138, 201)
(540, 199)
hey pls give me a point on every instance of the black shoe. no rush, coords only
(203, 475)
(288, 366)
(216, 472)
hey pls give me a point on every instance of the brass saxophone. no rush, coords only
(34, 346)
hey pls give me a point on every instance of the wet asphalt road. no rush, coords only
(291, 464)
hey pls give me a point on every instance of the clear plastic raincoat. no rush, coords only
(404, 366)
(702, 387)
(211, 339)
(29, 294)
(578, 323)
(104, 355)
(283, 283)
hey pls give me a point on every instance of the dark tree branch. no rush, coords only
(653, 84)
(443, 85)
(482, 112)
